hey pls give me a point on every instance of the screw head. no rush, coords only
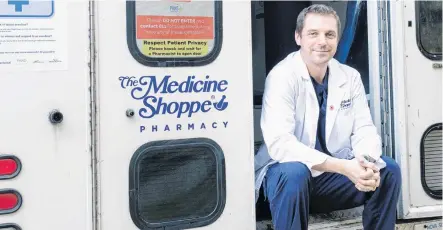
(130, 113)
(55, 117)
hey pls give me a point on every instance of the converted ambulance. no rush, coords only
(126, 115)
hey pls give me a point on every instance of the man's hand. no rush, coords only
(365, 163)
(370, 166)
(365, 175)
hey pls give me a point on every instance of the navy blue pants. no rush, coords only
(293, 193)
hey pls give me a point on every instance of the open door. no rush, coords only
(417, 104)
(175, 118)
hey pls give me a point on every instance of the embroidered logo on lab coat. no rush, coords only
(345, 104)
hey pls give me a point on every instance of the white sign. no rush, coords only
(33, 35)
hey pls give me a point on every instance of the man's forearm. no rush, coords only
(331, 164)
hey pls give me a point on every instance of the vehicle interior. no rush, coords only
(273, 27)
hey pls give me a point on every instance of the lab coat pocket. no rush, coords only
(345, 108)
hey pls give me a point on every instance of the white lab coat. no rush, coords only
(290, 113)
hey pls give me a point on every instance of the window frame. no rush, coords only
(180, 143)
(432, 193)
(431, 56)
(175, 61)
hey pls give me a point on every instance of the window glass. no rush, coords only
(172, 33)
(177, 184)
(429, 28)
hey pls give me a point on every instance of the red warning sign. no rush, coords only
(175, 27)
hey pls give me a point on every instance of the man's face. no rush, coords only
(319, 39)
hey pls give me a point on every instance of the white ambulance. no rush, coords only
(126, 115)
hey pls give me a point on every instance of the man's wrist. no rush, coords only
(338, 165)
(332, 164)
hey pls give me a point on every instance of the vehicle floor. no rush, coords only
(351, 219)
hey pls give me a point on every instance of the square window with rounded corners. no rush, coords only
(431, 163)
(177, 184)
(175, 32)
(429, 28)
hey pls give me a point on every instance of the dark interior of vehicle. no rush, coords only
(276, 21)
(280, 18)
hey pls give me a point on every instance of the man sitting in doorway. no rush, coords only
(321, 149)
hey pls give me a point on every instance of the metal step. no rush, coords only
(354, 224)
(351, 219)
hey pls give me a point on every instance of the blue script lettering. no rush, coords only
(150, 90)
(166, 86)
(156, 106)
(127, 82)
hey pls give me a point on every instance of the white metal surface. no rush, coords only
(417, 104)
(120, 136)
(374, 65)
(55, 180)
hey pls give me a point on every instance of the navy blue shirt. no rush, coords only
(321, 90)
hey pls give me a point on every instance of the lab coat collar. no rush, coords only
(336, 75)
(336, 91)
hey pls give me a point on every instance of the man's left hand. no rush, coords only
(370, 167)
(363, 162)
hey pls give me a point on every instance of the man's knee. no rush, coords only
(294, 176)
(392, 171)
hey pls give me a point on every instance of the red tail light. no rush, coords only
(10, 166)
(10, 201)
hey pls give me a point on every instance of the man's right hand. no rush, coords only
(366, 179)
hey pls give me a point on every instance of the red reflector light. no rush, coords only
(7, 166)
(10, 201)
(10, 166)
